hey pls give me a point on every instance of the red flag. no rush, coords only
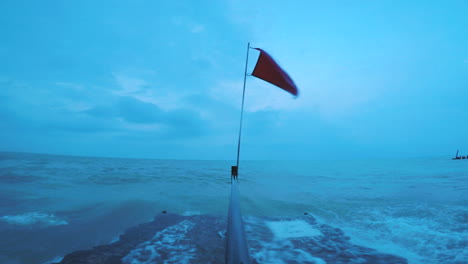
(268, 70)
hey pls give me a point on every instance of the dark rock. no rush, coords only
(113, 253)
(196, 239)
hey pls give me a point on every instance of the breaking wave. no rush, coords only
(33, 218)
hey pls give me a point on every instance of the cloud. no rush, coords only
(72, 108)
(128, 109)
(20, 117)
(136, 111)
(74, 122)
(197, 28)
(188, 24)
(129, 85)
(136, 115)
(166, 110)
(147, 89)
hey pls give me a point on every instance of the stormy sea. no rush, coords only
(66, 209)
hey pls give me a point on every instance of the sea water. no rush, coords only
(51, 205)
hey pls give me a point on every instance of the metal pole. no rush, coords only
(242, 107)
(237, 250)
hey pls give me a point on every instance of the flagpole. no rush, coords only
(242, 107)
(237, 250)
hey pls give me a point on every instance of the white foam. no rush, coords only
(222, 234)
(33, 218)
(283, 252)
(191, 213)
(115, 239)
(404, 232)
(172, 241)
(280, 250)
(292, 229)
(55, 260)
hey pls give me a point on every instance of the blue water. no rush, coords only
(52, 205)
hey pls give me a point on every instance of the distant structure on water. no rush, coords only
(459, 157)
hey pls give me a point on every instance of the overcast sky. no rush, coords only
(163, 79)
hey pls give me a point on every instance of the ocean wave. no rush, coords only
(190, 213)
(12, 178)
(292, 229)
(173, 241)
(33, 218)
(55, 260)
(420, 233)
(119, 179)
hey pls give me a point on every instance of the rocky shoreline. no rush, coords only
(172, 238)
